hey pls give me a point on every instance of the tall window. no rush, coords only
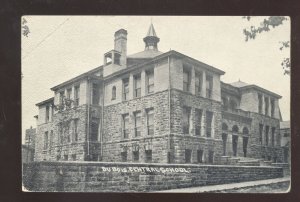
(137, 85)
(273, 137)
(137, 123)
(46, 140)
(150, 121)
(198, 83)
(209, 117)
(186, 80)
(211, 157)
(113, 93)
(199, 156)
(76, 130)
(76, 95)
(148, 156)
(47, 114)
(188, 155)
(95, 94)
(198, 121)
(267, 135)
(61, 97)
(51, 139)
(69, 91)
(186, 112)
(150, 81)
(209, 86)
(266, 106)
(125, 126)
(272, 107)
(94, 129)
(260, 103)
(125, 89)
(261, 126)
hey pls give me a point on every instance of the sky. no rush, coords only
(59, 48)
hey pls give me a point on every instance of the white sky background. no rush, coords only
(79, 43)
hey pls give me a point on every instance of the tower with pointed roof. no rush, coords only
(151, 39)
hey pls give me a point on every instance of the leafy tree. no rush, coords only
(265, 26)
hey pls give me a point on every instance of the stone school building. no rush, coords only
(157, 107)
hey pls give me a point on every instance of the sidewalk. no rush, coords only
(224, 187)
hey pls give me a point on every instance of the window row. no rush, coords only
(187, 123)
(266, 137)
(266, 101)
(200, 157)
(149, 84)
(138, 123)
(136, 156)
(66, 99)
(198, 82)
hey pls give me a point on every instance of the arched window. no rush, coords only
(245, 131)
(224, 126)
(113, 93)
(235, 129)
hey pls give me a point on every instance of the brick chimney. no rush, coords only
(121, 45)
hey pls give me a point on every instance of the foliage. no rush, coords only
(265, 26)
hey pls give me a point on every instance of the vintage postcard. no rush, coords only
(178, 104)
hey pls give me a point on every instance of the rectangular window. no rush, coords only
(150, 121)
(272, 107)
(209, 117)
(47, 114)
(198, 114)
(51, 139)
(74, 157)
(76, 130)
(135, 155)
(148, 156)
(125, 89)
(198, 83)
(273, 137)
(52, 112)
(61, 97)
(76, 95)
(124, 156)
(65, 157)
(186, 80)
(94, 130)
(186, 112)
(188, 155)
(150, 81)
(46, 140)
(125, 126)
(137, 123)
(210, 157)
(267, 135)
(209, 86)
(69, 91)
(199, 156)
(261, 126)
(260, 103)
(137, 86)
(266, 106)
(95, 94)
(117, 59)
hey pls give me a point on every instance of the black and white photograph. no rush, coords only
(156, 104)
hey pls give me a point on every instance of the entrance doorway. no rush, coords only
(234, 144)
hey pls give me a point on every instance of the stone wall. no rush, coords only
(130, 177)
(113, 140)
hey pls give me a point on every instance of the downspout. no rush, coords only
(169, 89)
(88, 119)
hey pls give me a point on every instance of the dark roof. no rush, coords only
(45, 101)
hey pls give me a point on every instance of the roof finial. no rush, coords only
(151, 38)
